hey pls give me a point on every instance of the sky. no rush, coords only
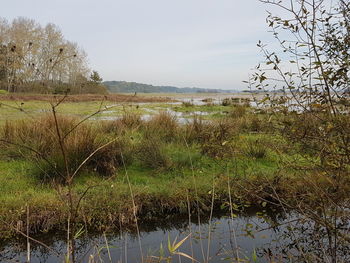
(184, 43)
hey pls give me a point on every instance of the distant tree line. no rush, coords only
(34, 58)
(131, 87)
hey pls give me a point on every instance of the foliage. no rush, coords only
(95, 77)
(313, 70)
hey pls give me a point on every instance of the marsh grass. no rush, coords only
(255, 149)
(151, 153)
(187, 104)
(163, 125)
(130, 120)
(238, 111)
(34, 140)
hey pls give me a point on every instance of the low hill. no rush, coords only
(131, 87)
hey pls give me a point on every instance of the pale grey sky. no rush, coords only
(185, 43)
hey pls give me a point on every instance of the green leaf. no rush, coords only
(254, 256)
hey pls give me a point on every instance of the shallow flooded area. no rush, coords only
(249, 237)
(219, 240)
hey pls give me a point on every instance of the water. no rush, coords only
(181, 117)
(268, 237)
(242, 235)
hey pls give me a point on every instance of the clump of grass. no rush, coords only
(248, 121)
(187, 104)
(38, 134)
(192, 131)
(238, 111)
(130, 120)
(226, 102)
(164, 125)
(209, 104)
(115, 155)
(255, 124)
(113, 127)
(255, 149)
(213, 137)
(151, 153)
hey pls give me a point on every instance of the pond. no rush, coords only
(250, 236)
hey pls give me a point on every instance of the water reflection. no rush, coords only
(228, 238)
(272, 237)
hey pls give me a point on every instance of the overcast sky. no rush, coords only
(185, 43)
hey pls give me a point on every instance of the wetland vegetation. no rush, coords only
(227, 161)
(94, 172)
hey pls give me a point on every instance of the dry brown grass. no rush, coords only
(37, 140)
(163, 125)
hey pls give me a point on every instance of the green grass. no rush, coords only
(29, 109)
(169, 186)
(19, 187)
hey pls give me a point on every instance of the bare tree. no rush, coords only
(31, 54)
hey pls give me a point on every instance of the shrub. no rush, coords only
(320, 135)
(214, 140)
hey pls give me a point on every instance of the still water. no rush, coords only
(219, 240)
